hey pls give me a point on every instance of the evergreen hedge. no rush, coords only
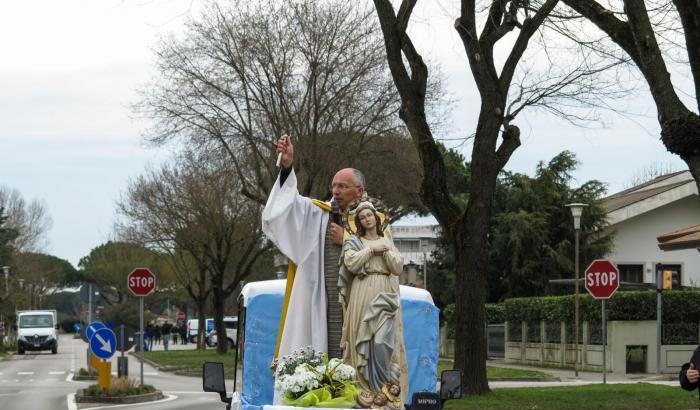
(682, 306)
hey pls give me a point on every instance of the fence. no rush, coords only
(631, 345)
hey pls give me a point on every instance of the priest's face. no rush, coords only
(344, 188)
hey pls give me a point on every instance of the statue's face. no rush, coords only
(394, 390)
(367, 219)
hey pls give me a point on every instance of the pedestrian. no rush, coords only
(174, 331)
(183, 334)
(150, 333)
(158, 332)
(166, 335)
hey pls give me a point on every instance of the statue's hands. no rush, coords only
(337, 234)
(692, 373)
(379, 249)
(286, 148)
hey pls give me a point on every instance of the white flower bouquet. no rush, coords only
(307, 378)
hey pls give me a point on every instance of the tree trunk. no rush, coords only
(219, 299)
(202, 325)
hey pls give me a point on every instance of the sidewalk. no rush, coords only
(567, 377)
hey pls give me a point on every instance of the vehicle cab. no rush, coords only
(37, 330)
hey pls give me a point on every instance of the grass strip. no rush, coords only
(191, 361)
(641, 396)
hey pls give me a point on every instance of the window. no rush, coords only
(631, 273)
(407, 246)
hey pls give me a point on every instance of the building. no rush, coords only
(642, 213)
(416, 243)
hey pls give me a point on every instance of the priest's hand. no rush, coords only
(337, 234)
(285, 147)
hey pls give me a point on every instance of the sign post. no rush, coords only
(141, 282)
(602, 281)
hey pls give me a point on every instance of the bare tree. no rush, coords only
(249, 72)
(655, 34)
(194, 211)
(506, 87)
(30, 219)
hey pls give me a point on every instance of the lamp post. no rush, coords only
(576, 211)
(425, 265)
(6, 271)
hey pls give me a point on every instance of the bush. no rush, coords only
(678, 307)
(495, 314)
(67, 324)
(84, 372)
(122, 386)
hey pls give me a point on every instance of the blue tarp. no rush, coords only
(263, 312)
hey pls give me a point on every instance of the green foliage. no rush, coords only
(109, 264)
(495, 314)
(678, 307)
(7, 235)
(532, 230)
(531, 234)
(121, 387)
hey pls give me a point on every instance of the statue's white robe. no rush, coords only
(297, 227)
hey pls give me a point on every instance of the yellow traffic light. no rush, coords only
(667, 282)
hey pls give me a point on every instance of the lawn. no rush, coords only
(598, 397)
(500, 372)
(191, 360)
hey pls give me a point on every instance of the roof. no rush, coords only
(684, 238)
(617, 201)
(650, 195)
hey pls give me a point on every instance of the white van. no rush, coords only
(36, 330)
(231, 323)
(193, 326)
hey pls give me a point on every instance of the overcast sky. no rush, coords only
(70, 69)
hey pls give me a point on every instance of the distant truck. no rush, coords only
(37, 330)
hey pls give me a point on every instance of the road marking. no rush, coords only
(25, 373)
(168, 397)
(57, 372)
(70, 400)
(70, 377)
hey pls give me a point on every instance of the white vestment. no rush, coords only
(298, 227)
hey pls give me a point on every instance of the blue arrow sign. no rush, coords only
(76, 327)
(103, 343)
(92, 328)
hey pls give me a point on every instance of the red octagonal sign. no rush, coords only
(602, 279)
(141, 282)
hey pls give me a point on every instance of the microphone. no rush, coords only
(336, 217)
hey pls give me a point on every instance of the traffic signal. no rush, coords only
(667, 279)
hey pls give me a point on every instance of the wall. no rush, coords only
(635, 240)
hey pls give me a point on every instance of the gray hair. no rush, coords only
(358, 178)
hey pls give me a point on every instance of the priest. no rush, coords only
(307, 232)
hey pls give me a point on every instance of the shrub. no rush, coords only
(678, 306)
(122, 386)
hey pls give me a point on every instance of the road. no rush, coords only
(41, 381)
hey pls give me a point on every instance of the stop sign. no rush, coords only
(141, 282)
(602, 279)
(180, 315)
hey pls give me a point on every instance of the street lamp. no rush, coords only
(6, 271)
(425, 266)
(576, 211)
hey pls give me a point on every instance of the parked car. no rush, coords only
(36, 330)
(231, 324)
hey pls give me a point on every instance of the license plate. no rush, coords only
(36, 345)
